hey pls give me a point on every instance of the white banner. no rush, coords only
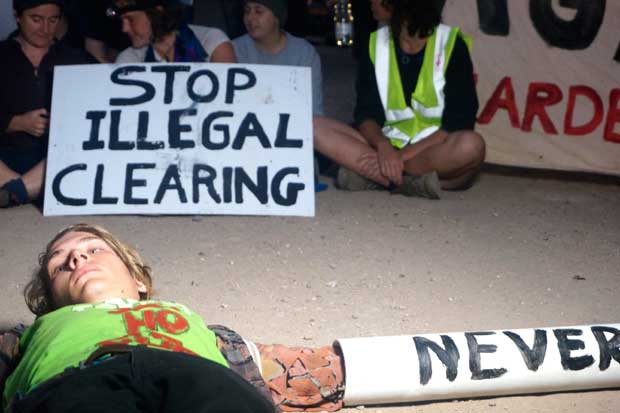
(180, 139)
(547, 80)
(480, 363)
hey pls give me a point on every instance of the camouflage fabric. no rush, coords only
(303, 379)
(9, 352)
(237, 354)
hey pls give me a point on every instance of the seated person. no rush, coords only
(267, 43)
(26, 73)
(103, 37)
(100, 343)
(158, 33)
(419, 121)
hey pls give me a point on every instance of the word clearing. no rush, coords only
(180, 139)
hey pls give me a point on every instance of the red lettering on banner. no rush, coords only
(613, 117)
(539, 96)
(496, 102)
(597, 117)
(144, 331)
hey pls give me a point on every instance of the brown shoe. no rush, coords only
(351, 181)
(425, 186)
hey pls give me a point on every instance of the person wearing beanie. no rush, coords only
(26, 69)
(20, 5)
(268, 43)
(158, 33)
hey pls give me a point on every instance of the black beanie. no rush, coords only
(21, 5)
(279, 8)
(118, 7)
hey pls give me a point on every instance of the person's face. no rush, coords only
(137, 26)
(380, 13)
(260, 22)
(84, 269)
(37, 26)
(410, 43)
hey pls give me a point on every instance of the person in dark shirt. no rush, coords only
(26, 70)
(419, 120)
(85, 25)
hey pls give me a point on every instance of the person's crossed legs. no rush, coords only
(21, 181)
(456, 158)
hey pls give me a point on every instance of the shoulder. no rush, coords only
(243, 41)
(9, 48)
(302, 45)
(209, 35)
(461, 51)
(245, 49)
(131, 55)
(6, 44)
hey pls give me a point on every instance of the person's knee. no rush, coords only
(471, 146)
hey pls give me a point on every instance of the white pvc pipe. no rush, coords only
(413, 368)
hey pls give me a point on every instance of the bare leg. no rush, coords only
(456, 158)
(33, 180)
(346, 146)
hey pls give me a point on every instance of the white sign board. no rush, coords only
(471, 364)
(547, 80)
(180, 139)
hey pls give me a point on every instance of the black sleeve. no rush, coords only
(368, 102)
(460, 91)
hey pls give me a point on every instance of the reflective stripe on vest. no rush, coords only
(406, 124)
(382, 74)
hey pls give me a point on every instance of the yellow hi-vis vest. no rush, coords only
(405, 124)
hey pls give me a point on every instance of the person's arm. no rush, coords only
(317, 83)
(100, 51)
(461, 99)
(224, 53)
(34, 122)
(369, 117)
(390, 159)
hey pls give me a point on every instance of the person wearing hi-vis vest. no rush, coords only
(416, 104)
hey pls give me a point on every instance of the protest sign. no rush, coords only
(547, 75)
(180, 139)
(407, 368)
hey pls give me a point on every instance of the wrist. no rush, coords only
(384, 144)
(14, 124)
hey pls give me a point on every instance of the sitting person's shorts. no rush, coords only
(22, 159)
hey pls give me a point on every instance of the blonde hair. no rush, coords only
(38, 294)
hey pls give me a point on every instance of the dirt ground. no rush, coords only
(517, 250)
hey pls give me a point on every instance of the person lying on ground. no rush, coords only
(101, 343)
(416, 103)
(158, 33)
(27, 65)
(268, 43)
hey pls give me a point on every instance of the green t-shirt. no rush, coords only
(67, 336)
